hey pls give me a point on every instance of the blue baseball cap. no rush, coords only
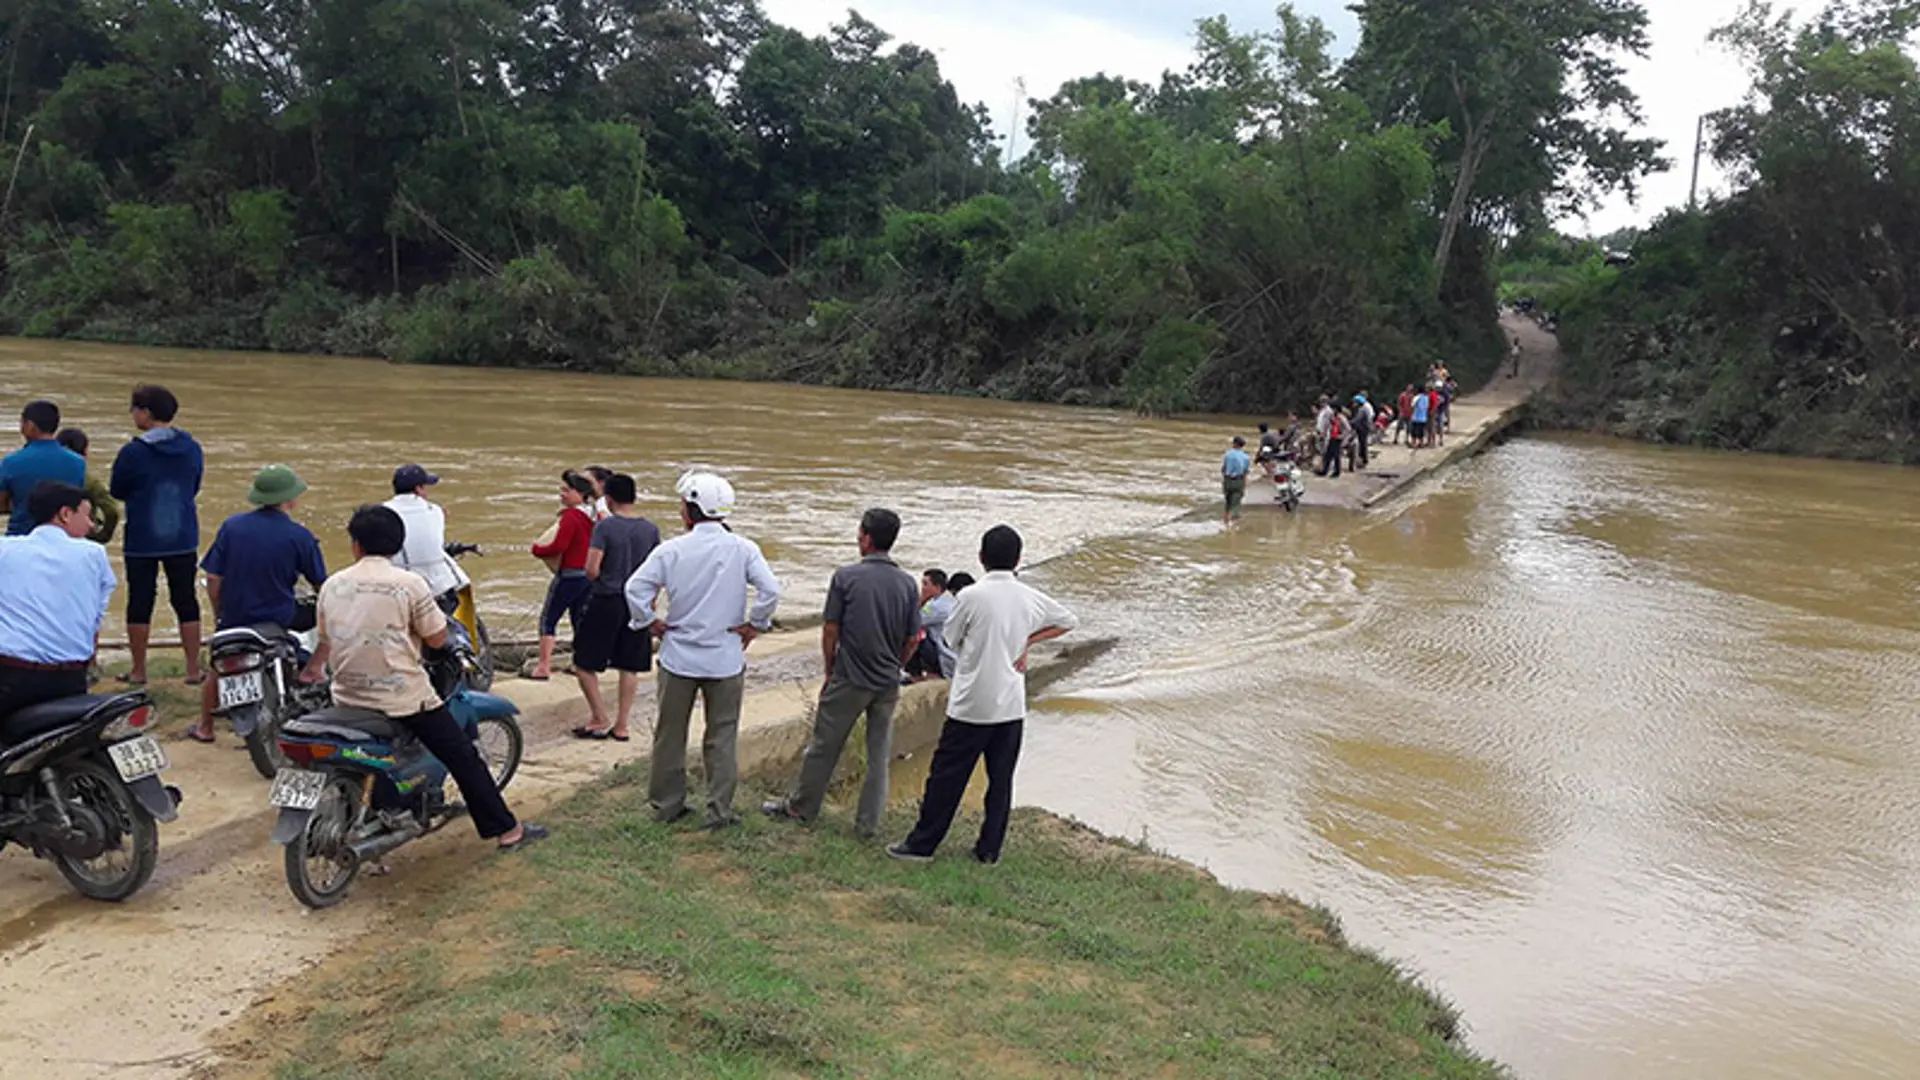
(408, 477)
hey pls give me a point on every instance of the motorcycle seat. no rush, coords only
(256, 633)
(39, 719)
(338, 721)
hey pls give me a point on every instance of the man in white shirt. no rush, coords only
(54, 588)
(425, 552)
(703, 643)
(993, 625)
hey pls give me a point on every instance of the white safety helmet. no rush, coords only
(707, 491)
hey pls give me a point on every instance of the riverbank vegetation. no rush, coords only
(684, 187)
(1785, 316)
(623, 947)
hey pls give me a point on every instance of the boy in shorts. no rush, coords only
(621, 542)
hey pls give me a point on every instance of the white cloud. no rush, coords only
(984, 47)
(1682, 77)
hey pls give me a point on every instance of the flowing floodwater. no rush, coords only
(805, 461)
(1615, 746)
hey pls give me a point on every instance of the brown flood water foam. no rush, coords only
(1610, 744)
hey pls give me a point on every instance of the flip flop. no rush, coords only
(197, 682)
(619, 738)
(590, 734)
(204, 740)
(128, 680)
(530, 834)
(537, 678)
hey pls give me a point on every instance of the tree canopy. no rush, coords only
(1787, 315)
(685, 187)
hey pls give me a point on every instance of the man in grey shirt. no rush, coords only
(621, 542)
(872, 624)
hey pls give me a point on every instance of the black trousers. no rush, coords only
(143, 587)
(925, 659)
(440, 733)
(1360, 434)
(1330, 461)
(22, 688)
(961, 746)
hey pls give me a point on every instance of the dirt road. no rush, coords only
(133, 990)
(1475, 415)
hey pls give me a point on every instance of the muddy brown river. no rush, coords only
(1615, 746)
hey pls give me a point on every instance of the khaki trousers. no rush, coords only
(719, 749)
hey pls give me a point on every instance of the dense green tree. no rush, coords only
(1788, 315)
(1531, 93)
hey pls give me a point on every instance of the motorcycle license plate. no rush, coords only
(294, 789)
(242, 689)
(137, 758)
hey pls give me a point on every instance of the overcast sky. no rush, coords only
(984, 46)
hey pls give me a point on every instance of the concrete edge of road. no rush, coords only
(1502, 422)
(776, 724)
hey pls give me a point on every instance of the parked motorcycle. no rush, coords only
(80, 786)
(478, 655)
(257, 670)
(358, 786)
(1288, 488)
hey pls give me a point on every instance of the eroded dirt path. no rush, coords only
(134, 990)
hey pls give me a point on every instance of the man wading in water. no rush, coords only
(1233, 478)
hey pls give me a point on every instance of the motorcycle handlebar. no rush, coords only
(457, 550)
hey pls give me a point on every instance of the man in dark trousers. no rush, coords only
(994, 624)
(872, 625)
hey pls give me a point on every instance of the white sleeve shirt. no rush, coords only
(706, 575)
(988, 633)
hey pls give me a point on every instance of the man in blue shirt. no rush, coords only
(43, 458)
(1233, 478)
(703, 643)
(256, 559)
(54, 588)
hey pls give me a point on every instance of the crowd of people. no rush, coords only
(701, 597)
(1344, 434)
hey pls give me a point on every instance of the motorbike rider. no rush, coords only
(1269, 453)
(256, 559)
(374, 620)
(425, 552)
(54, 588)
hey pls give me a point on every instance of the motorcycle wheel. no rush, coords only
(480, 671)
(133, 837)
(263, 746)
(499, 741)
(320, 869)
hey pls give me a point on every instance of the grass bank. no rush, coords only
(623, 948)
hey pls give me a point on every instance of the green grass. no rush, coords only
(624, 948)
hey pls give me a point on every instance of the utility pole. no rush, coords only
(1013, 130)
(1699, 141)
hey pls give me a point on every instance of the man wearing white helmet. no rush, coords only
(703, 643)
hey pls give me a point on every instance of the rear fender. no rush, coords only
(156, 798)
(291, 824)
(246, 719)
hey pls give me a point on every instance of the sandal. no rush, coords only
(594, 734)
(530, 834)
(618, 737)
(204, 740)
(199, 681)
(128, 680)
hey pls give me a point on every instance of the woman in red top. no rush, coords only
(568, 592)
